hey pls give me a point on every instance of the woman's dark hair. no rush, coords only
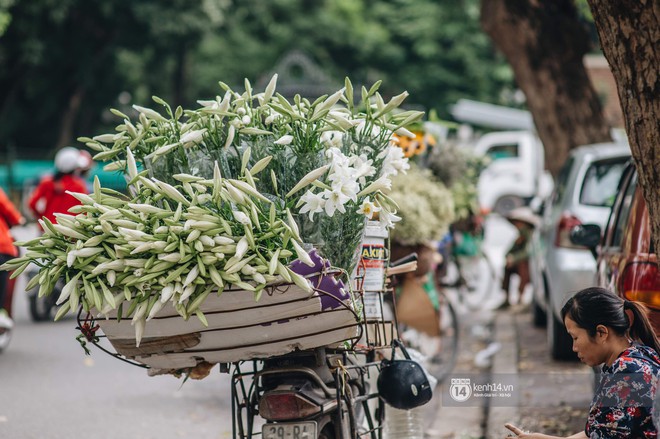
(597, 306)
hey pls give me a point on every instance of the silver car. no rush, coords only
(584, 192)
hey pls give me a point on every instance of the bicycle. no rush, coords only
(466, 269)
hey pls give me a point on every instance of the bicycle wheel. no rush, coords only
(474, 279)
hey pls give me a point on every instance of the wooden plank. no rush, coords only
(156, 345)
(184, 359)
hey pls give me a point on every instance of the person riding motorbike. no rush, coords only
(50, 196)
(9, 217)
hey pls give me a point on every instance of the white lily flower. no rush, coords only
(332, 139)
(242, 218)
(313, 203)
(368, 208)
(303, 256)
(284, 140)
(335, 201)
(192, 275)
(241, 247)
(405, 133)
(394, 162)
(151, 114)
(192, 137)
(381, 184)
(68, 288)
(270, 88)
(162, 150)
(155, 309)
(308, 179)
(105, 138)
(347, 186)
(388, 218)
(131, 165)
(166, 293)
(272, 118)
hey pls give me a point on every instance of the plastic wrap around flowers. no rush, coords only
(344, 150)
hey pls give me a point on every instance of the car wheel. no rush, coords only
(561, 344)
(507, 203)
(539, 316)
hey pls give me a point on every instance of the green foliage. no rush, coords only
(66, 61)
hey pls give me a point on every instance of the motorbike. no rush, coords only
(44, 308)
(321, 394)
(324, 393)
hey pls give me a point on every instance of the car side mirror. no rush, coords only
(587, 235)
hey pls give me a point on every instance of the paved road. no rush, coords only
(50, 390)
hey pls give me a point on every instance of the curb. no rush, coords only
(504, 362)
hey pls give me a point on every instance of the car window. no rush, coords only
(502, 151)
(624, 212)
(600, 183)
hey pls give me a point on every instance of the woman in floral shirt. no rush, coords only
(616, 333)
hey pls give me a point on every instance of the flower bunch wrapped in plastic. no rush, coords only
(330, 161)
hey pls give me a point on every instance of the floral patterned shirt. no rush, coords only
(623, 402)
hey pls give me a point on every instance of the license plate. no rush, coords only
(289, 430)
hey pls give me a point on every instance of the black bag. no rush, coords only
(403, 383)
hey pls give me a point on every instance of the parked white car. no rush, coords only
(515, 174)
(584, 192)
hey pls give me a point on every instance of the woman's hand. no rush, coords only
(520, 434)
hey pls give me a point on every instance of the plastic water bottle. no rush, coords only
(404, 424)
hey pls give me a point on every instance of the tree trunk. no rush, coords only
(69, 117)
(180, 75)
(545, 44)
(629, 32)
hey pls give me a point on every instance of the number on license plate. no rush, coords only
(297, 430)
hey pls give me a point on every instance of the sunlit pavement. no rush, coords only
(50, 390)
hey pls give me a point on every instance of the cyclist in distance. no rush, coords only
(50, 196)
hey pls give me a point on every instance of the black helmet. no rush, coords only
(403, 383)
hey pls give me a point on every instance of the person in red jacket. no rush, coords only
(9, 217)
(50, 196)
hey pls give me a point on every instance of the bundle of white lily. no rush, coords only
(175, 244)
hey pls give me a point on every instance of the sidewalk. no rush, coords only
(478, 420)
(463, 422)
(504, 362)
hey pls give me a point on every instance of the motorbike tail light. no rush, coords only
(566, 223)
(641, 283)
(283, 406)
